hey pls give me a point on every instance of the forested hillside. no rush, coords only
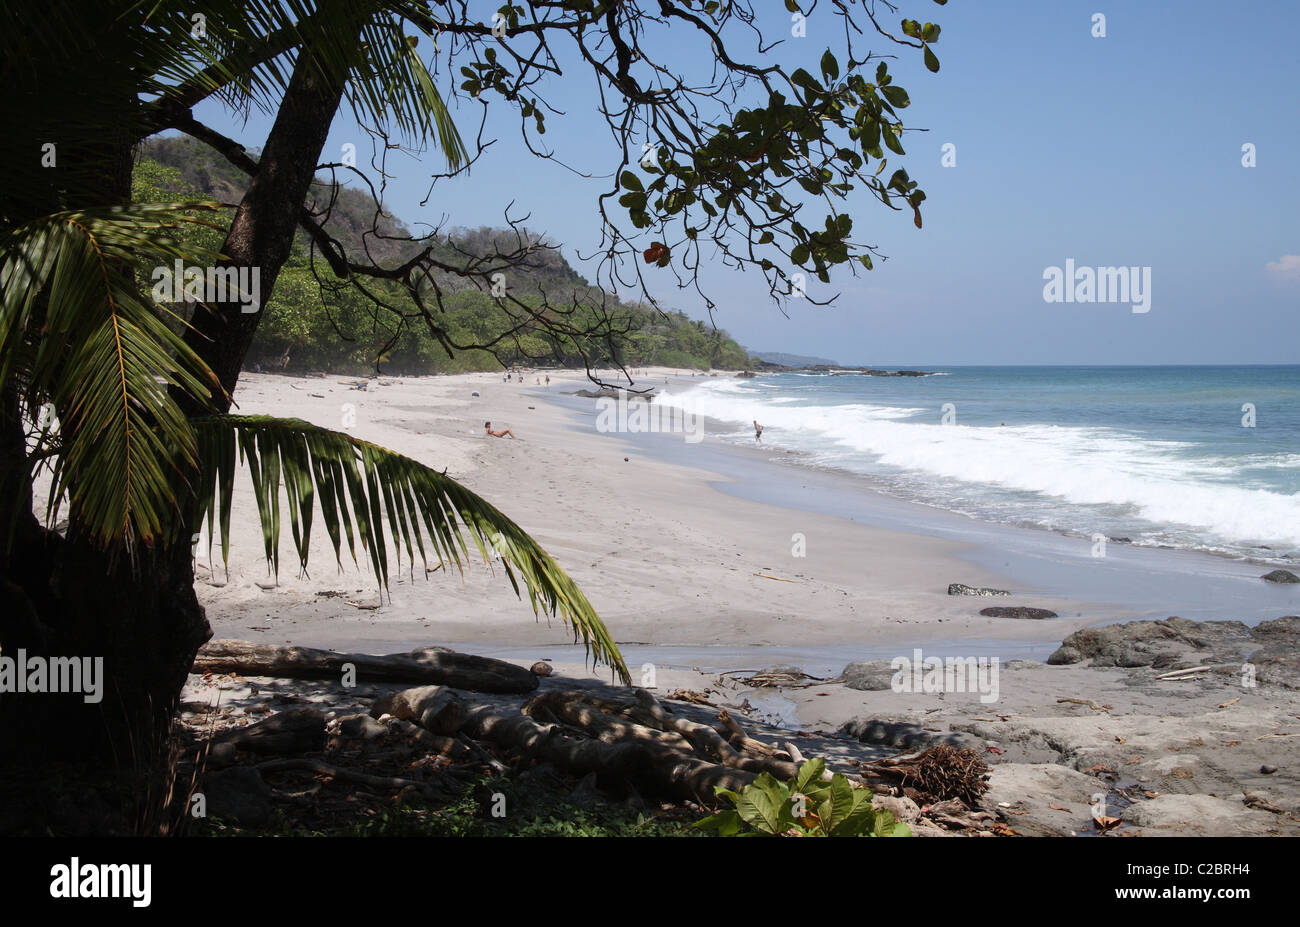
(339, 330)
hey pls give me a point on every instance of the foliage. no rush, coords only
(313, 324)
(355, 483)
(806, 806)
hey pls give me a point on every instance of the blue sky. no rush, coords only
(1122, 150)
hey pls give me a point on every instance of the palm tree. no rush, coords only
(146, 450)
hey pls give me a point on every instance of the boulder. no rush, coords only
(901, 807)
(1023, 795)
(1198, 815)
(1281, 576)
(1016, 611)
(868, 675)
(963, 589)
(1146, 643)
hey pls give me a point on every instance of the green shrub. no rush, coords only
(806, 806)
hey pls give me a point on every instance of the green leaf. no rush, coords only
(895, 95)
(761, 804)
(810, 773)
(931, 61)
(631, 181)
(382, 495)
(726, 823)
(830, 67)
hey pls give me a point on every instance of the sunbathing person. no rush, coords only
(487, 426)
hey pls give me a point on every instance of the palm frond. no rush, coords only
(106, 357)
(358, 487)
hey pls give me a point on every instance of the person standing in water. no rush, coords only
(758, 433)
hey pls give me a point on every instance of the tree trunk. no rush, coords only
(60, 595)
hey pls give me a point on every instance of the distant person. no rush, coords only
(505, 432)
(548, 379)
(758, 433)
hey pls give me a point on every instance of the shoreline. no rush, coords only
(670, 552)
(876, 568)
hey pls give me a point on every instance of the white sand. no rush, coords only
(664, 557)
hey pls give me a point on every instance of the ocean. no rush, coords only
(1199, 458)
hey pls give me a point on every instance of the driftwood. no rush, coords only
(647, 766)
(298, 730)
(429, 665)
(644, 720)
(320, 767)
(435, 708)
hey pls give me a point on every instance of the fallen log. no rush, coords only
(427, 665)
(435, 708)
(570, 708)
(651, 768)
(343, 773)
(297, 730)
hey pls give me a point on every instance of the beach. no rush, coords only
(695, 576)
(664, 556)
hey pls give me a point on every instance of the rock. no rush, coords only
(1063, 655)
(475, 394)
(1033, 788)
(746, 375)
(1198, 815)
(1268, 770)
(361, 727)
(905, 735)
(902, 808)
(238, 795)
(784, 669)
(1143, 643)
(1278, 661)
(541, 668)
(963, 589)
(1016, 611)
(1276, 666)
(1281, 576)
(868, 675)
(1122, 540)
